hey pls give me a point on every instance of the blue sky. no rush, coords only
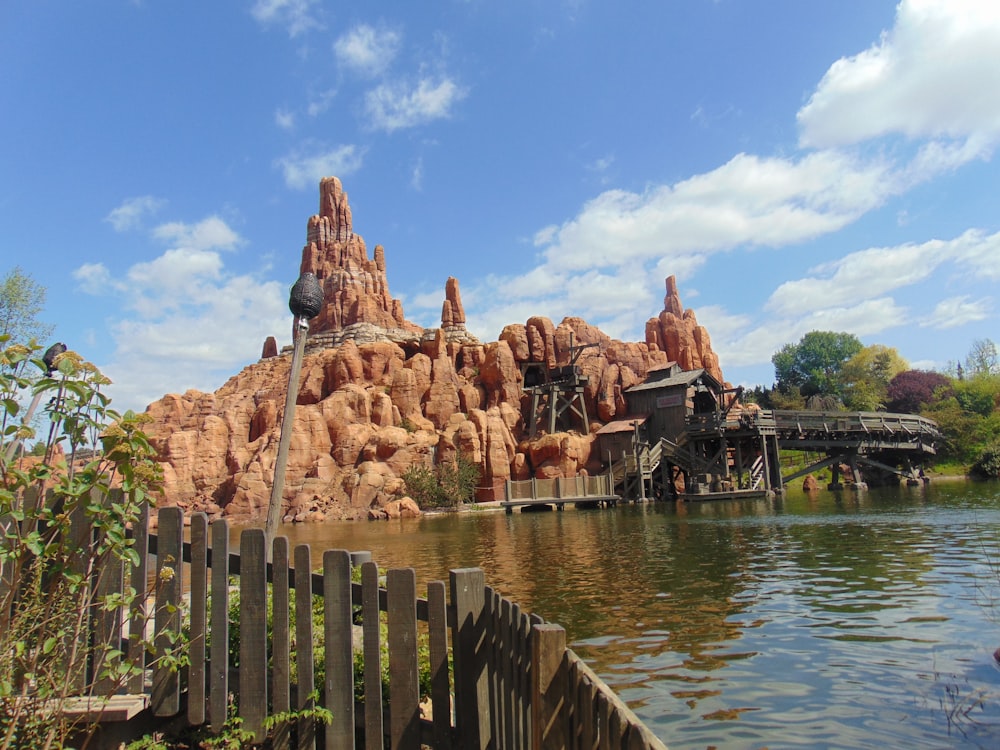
(796, 165)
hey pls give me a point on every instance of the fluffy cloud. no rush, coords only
(132, 211)
(957, 311)
(188, 321)
(750, 200)
(929, 77)
(207, 233)
(297, 16)
(394, 106)
(367, 50)
(306, 167)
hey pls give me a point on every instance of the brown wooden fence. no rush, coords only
(495, 677)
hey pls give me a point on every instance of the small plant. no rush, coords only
(988, 464)
(446, 485)
(95, 474)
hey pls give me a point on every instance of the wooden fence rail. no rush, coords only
(495, 677)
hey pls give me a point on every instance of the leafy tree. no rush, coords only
(982, 360)
(864, 378)
(813, 365)
(911, 390)
(21, 301)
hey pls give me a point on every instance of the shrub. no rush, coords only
(988, 464)
(446, 485)
(49, 568)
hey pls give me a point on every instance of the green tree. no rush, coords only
(865, 377)
(813, 365)
(22, 299)
(982, 360)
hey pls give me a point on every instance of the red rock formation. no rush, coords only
(355, 288)
(677, 333)
(379, 394)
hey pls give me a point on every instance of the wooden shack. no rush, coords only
(669, 396)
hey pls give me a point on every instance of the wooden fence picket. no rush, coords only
(166, 693)
(280, 640)
(372, 635)
(199, 619)
(218, 696)
(304, 665)
(338, 635)
(253, 632)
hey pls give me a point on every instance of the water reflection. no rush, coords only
(824, 620)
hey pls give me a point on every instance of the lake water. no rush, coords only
(830, 620)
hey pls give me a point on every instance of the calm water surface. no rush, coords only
(829, 620)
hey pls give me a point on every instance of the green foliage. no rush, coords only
(987, 466)
(864, 378)
(448, 484)
(47, 589)
(21, 300)
(982, 359)
(813, 364)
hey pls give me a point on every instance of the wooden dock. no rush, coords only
(539, 494)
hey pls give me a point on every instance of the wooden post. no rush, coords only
(304, 646)
(199, 619)
(338, 688)
(437, 627)
(374, 730)
(404, 689)
(287, 422)
(253, 632)
(218, 693)
(548, 689)
(280, 640)
(468, 597)
(166, 696)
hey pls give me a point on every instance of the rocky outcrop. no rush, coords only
(676, 331)
(378, 395)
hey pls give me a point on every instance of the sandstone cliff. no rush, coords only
(379, 394)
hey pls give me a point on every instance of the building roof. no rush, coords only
(686, 377)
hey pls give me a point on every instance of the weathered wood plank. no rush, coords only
(404, 688)
(80, 538)
(166, 695)
(507, 646)
(218, 692)
(471, 688)
(548, 662)
(253, 632)
(138, 613)
(109, 580)
(199, 619)
(306, 683)
(437, 627)
(339, 683)
(372, 645)
(490, 648)
(280, 640)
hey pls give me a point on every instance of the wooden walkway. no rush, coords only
(580, 491)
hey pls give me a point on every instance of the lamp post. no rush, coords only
(305, 302)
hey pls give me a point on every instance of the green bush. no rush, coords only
(988, 464)
(446, 485)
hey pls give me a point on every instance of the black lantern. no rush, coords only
(306, 299)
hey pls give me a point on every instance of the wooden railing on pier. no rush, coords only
(513, 681)
(579, 490)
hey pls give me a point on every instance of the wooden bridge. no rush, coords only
(734, 453)
(513, 682)
(579, 491)
(884, 444)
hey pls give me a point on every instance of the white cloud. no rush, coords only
(320, 102)
(930, 76)
(207, 233)
(393, 106)
(94, 278)
(307, 166)
(132, 211)
(297, 16)
(957, 311)
(367, 50)
(284, 119)
(190, 323)
(750, 200)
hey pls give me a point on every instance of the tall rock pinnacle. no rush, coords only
(355, 289)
